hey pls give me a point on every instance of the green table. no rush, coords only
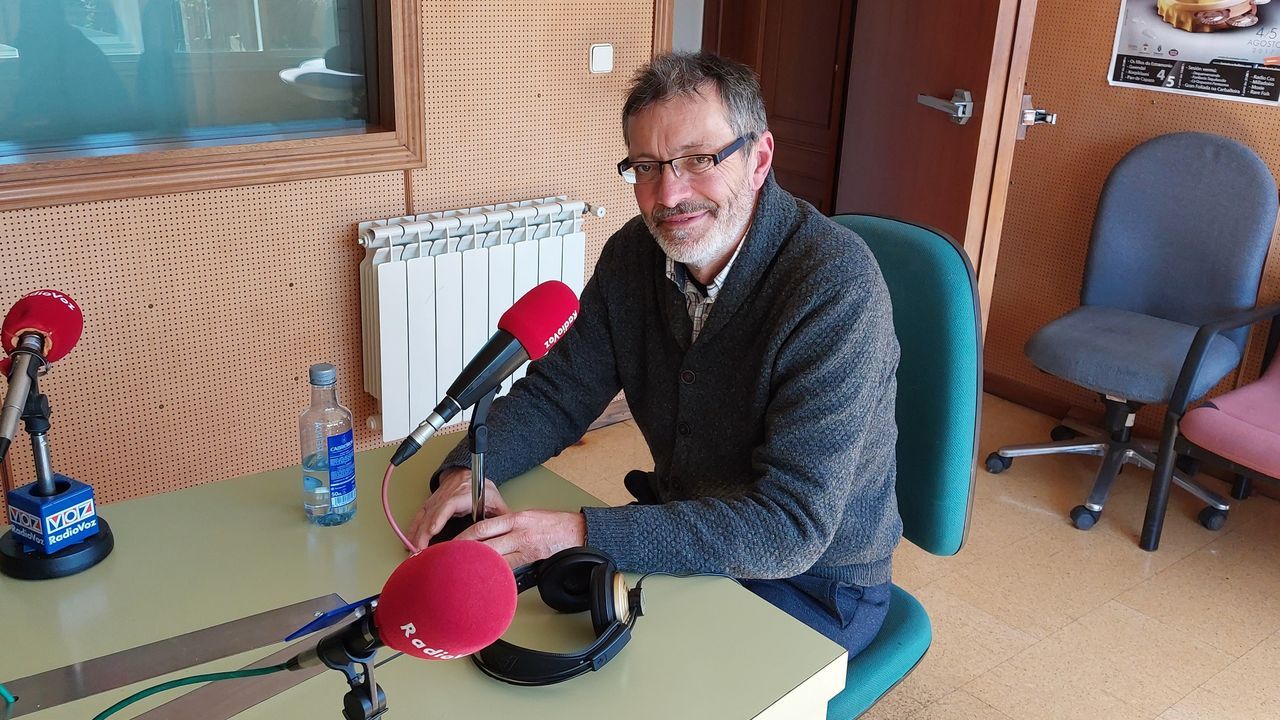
(211, 554)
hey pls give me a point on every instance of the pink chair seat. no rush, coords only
(1243, 425)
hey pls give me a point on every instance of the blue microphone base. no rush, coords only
(17, 561)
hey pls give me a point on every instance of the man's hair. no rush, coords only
(676, 74)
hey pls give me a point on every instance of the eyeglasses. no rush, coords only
(650, 171)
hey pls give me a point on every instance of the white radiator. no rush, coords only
(433, 286)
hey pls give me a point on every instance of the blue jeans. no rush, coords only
(849, 614)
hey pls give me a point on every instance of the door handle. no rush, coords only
(959, 107)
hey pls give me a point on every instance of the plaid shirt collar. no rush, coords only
(679, 274)
(697, 302)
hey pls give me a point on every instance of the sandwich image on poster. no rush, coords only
(1228, 49)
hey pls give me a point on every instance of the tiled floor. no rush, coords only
(1035, 619)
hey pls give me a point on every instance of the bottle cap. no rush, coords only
(323, 374)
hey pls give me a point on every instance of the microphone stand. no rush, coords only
(365, 700)
(21, 559)
(478, 435)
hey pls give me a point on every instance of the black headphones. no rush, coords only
(570, 581)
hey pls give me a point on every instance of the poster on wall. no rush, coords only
(1225, 49)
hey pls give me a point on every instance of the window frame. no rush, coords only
(398, 147)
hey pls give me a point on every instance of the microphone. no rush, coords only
(40, 328)
(55, 529)
(444, 602)
(526, 331)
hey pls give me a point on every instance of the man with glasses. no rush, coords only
(753, 338)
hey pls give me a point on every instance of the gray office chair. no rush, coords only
(1179, 240)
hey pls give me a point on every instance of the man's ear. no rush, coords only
(763, 159)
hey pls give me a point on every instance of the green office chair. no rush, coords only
(936, 317)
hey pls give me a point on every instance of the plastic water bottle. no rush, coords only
(328, 454)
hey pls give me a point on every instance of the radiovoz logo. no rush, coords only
(79, 519)
(72, 515)
(20, 518)
(410, 630)
(559, 333)
(55, 295)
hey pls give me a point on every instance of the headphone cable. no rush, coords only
(684, 575)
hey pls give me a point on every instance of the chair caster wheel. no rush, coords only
(1213, 518)
(997, 463)
(1083, 517)
(1062, 432)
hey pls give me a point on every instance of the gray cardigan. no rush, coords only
(772, 435)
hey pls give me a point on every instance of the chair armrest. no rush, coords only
(1165, 456)
(1199, 348)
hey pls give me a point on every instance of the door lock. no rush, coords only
(1032, 115)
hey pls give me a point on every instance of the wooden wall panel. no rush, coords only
(1059, 171)
(203, 310)
(202, 313)
(512, 111)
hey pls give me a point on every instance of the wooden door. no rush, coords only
(800, 50)
(852, 135)
(909, 161)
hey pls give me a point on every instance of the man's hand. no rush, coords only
(528, 535)
(452, 498)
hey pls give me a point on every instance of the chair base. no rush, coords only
(1117, 448)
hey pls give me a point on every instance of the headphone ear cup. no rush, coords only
(564, 580)
(603, 612)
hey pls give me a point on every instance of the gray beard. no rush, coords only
(730, 220)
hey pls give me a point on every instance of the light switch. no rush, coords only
(602, 58)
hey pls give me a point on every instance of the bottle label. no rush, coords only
(342, 470)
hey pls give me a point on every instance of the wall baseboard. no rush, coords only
(1032, 397)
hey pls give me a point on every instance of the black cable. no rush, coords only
(684, 575)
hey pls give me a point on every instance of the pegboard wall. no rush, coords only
(202, 313)
(1059, 171)
(518, 115)
(203, 310)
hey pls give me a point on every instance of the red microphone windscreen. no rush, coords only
(540, 318)
(50, 313)
(449, 600)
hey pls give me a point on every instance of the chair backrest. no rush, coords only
(936, 318)
(1182, 230)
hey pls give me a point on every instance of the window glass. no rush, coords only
(108, 77)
